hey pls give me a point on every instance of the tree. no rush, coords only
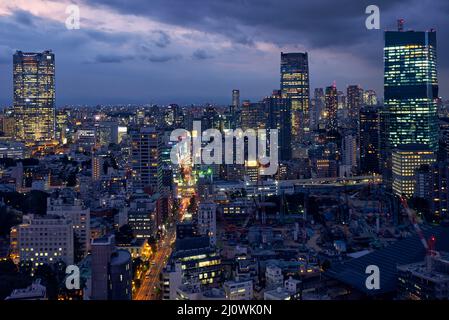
(8, 219)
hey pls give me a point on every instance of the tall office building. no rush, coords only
(318, 109)
(406, 160)
(349, 152)
(370, 98)
(295, 85)
(354, 102)
(236, 98)
(331, 103)
(34, 95)
(411, 90)
(411, 87)
(146, 159)
(111, 270)
(253, 115)
(369, 136)
(279, 117)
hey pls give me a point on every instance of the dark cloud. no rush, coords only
(23, 17)
(149, 64)
(321, 23)
(163, 39)
(164, 58)
(201, 54)
(102, 58)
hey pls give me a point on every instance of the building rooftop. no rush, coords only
(402, 252)
(35, 291)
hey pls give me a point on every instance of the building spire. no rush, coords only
(401, 25)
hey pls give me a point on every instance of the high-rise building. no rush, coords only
(350, 152)
(146, 159)
(279, 117)
(354, 102)
(207, 221)
(111, 270)
(34, 95)
(236, 98)
(331, 106)
(97, 166)
(253, 115)
(295, 85)
(72, 208)
(406, 160)
(369, 136)
(142, 216)
(370, 98)
(61, 124)
(411, 90)
(45, 240)
(411, 87)
(317, 111)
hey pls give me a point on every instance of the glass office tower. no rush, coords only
(411, 88)
(331, 103)
(34, 95)
(410, 111)
(295, 86)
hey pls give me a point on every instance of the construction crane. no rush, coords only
(429, 245)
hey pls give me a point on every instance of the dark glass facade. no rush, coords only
(369, 135)
(295, 86)
(279, 117)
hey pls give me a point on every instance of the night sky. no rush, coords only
(196, 51)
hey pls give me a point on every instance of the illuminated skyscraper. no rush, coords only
(370, 98)
(236, 98)
(34, 95)
(295, 85)
(406, 161)
(411, 88)
(279, 117)
(331, 102)
(253, 115)
(410, 113)
(355, 101)
(146, 159)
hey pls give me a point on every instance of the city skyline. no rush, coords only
(145, 54)
(235, 152)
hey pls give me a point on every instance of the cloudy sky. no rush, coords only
(196, 51)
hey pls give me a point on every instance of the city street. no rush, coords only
(147, 290)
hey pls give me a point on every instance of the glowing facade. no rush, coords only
(405, 161)
(295, 85)
(411, 88)
(34, 95)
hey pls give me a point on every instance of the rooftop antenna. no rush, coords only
(401, 25)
